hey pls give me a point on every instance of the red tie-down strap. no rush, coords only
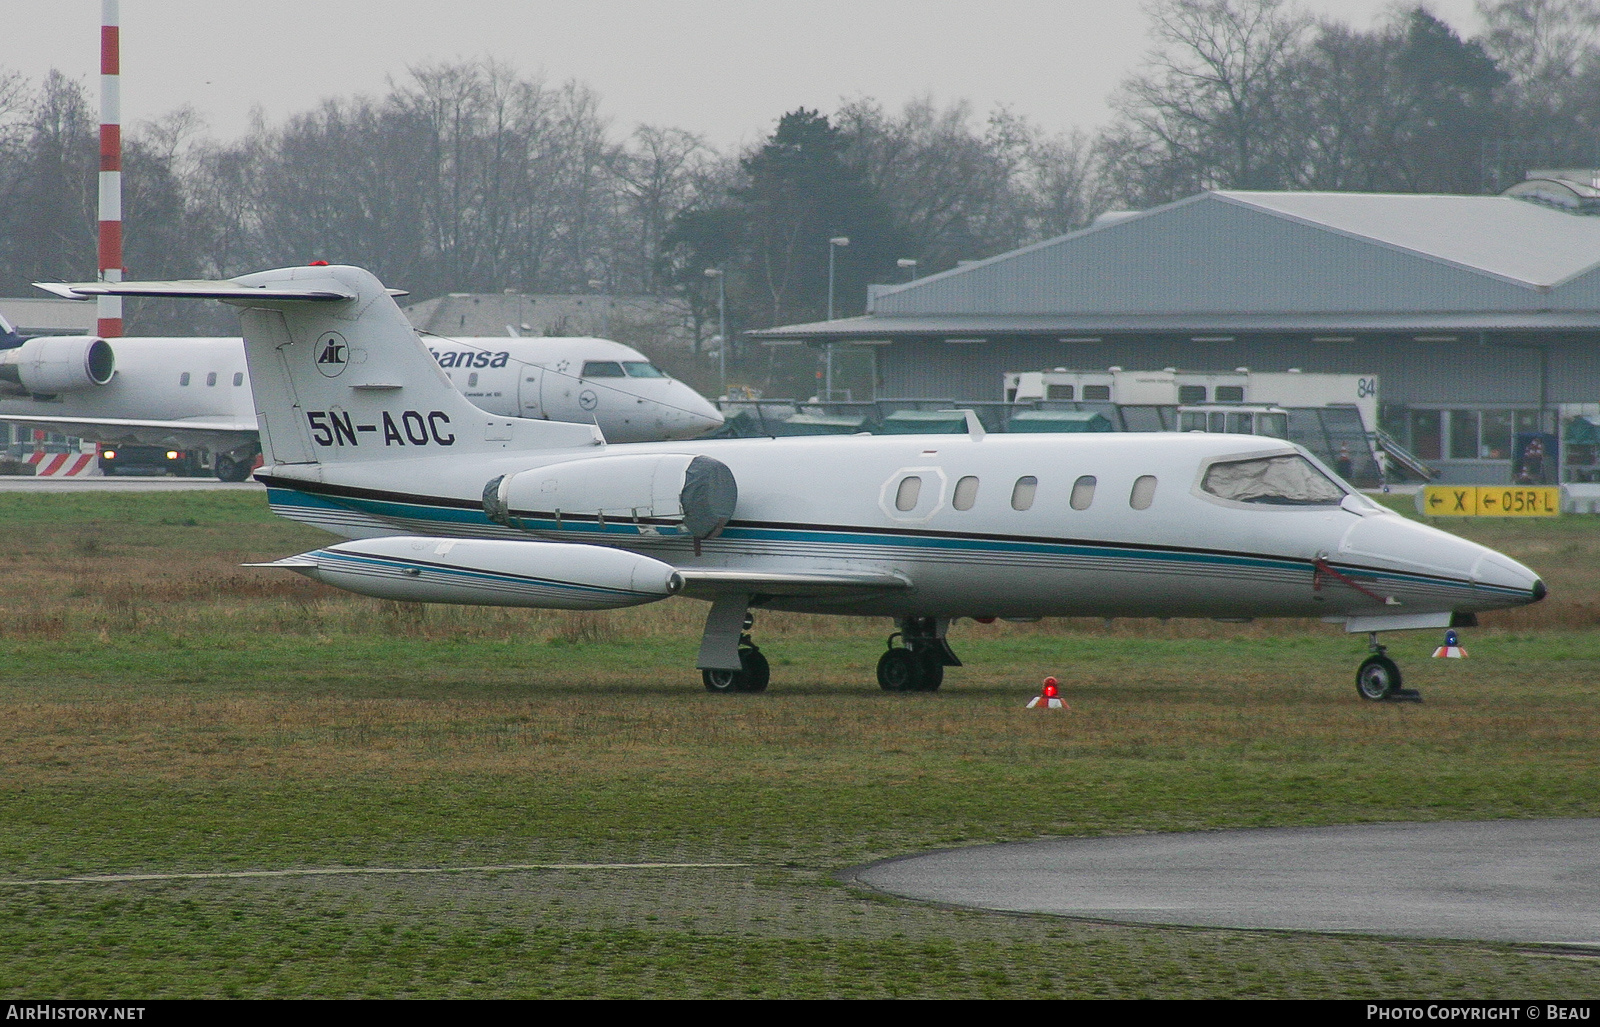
(1321, 566)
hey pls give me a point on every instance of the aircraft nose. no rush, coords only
(1499, 571)
(699, 413)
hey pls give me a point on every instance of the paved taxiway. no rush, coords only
(98, 483)
(1504, 880)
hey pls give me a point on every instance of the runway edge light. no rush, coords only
(1049, 697)
(1451, 649)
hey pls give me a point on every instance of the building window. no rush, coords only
(1463, 435)
(1144, 492)
(905, 498)
(211, 379)
(1022, 493)
(966, 493)
(1189, 394)
(1496, 440)
(1425, 440)
(1230, 393)
(183, 379)
(1083, 492)
(1100, 392)
(238, 379)
(1058, 392)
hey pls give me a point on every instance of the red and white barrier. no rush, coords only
(64, 465)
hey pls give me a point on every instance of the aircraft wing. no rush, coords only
(202, 290)
(210, 432)
(708, 583)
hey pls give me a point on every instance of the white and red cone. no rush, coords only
(1049, 697)
(1451, 650)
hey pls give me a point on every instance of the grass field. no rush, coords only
(166, 711)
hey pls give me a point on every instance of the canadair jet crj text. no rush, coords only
(364, 436)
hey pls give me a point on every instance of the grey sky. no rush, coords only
(724, 68)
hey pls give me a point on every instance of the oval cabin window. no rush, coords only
(1022, 492)
(472, 380)
(966, 493)
(238, 379)
(183, 379)
(1144, 492)
(905, 498)
(1083, 492)
(211, 379)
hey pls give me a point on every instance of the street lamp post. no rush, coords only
(722, 325)
(605, 307)
(833, 247)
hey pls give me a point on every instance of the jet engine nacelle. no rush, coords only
(485, 572)
(695, 491)
(49, 365)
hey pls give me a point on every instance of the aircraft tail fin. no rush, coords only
(340, 376)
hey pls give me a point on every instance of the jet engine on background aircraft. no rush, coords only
(52, 364)
(696, 492)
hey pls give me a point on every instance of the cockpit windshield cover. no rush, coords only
(1290, 480)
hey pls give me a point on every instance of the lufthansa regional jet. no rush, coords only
(365, 437)
(195, 392)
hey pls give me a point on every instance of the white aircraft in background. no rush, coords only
(445, 503)
(195, 392)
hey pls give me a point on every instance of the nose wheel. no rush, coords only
(1379, 679)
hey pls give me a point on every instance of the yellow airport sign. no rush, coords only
(1491, 501)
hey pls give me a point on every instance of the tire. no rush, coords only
(757, 672)
(229, 469)
(752, 676)
(899, 670)
(931, 669)
(1378, 678)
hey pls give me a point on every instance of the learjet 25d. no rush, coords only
(365, 437)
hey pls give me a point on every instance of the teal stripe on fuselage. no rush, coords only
(622, 532)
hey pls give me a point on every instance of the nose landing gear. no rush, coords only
(1378, 679)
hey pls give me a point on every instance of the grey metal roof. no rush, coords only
(1269, 262)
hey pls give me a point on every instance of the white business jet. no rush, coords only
(365, 437)
(196, 392)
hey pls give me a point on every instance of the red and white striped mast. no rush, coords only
(110, 307)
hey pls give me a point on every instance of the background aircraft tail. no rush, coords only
(340, 376)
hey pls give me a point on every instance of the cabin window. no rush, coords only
(238, 379)
(1289, 480)
(1092, 392)
(1188, 394)
(1022, 492)
(1230, 393)
(1058, 392)
(472, 380)
(642, 369)
(1083, 492)
(602, 369)
(1144, 492)
(966, 493)
(183, 379)
(905, 498)
(211, 379)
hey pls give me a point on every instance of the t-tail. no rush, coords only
(340, 376)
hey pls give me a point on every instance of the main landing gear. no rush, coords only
(753, 674)
(916, 665)
(1378, 680)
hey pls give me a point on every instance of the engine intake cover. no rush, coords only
(695, 491)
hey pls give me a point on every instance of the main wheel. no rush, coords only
(229, 469)
(899, 670)
(1378, 678)
(931, 671)
(757, 672)
(752, 676)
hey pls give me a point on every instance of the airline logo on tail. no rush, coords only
(333, 354)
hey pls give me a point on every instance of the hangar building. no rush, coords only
(1480, 315)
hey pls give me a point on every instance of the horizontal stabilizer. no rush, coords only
(709, 583)
(200, 290)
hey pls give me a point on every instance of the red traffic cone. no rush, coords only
(1049, 697)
